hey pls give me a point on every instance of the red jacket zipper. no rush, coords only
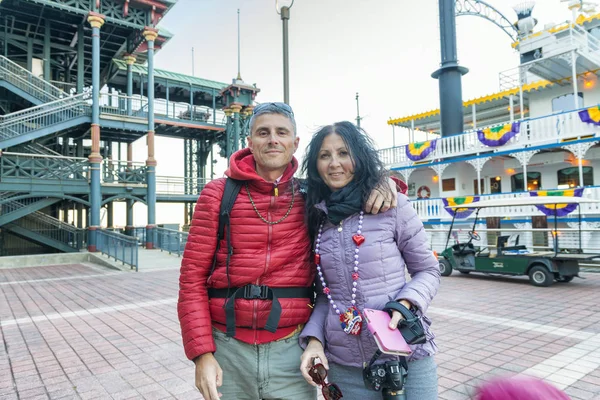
(268, 259)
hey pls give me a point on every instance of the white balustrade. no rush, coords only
(552, 129)
(434, 208)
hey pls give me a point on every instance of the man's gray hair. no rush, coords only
(273, 108)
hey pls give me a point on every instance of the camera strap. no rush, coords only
(378, 353)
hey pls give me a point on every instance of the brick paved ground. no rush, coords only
(84, 332)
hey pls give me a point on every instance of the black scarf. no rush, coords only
(344, 203)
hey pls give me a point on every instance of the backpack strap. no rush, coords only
(232, 188)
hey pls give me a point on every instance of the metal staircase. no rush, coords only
(23, 218)
(24, 83)
(12, 210)
(35, 122)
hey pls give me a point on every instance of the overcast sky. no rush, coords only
(384, 49)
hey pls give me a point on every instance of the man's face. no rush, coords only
(272, 142)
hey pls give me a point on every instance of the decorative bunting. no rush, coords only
(590, 115)
(499, 135)
(420, 150)
(456, 201)
(559, 209)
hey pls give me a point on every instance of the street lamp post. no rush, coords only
(284, 11)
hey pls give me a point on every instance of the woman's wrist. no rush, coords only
(312, 339)
(406, 304)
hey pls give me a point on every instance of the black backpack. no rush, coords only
(232, 188)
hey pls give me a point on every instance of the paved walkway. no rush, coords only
(86, 332)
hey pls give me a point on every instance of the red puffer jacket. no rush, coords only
(263, 254)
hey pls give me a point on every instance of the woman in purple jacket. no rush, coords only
(361, 263)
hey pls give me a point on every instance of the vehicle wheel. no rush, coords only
(564, 279)
(464, 272)
(540, 276)
(445, 268)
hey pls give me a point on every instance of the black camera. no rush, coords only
(388, 377)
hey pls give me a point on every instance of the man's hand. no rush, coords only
(312, 351)
(382, 198)
(209, 376)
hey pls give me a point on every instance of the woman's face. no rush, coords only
(334, 163)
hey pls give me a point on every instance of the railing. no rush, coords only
(434, 208)
(120, 247)
(123, 172)
(118, 104)
(552, 129)
(179, 185)
(34, 118)
(8, 206)
(37, 166)
(170, 240)
(25, 80)
(534, 239)
(55, 229)
(66, 87)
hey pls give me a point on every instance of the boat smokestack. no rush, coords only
(450, 73)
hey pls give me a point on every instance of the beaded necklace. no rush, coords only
(350, 319)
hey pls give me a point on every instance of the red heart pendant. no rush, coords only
(358, 239)
(318, 259)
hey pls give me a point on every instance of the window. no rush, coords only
(570, 176)
(566, 103)
(496, 185)
(476, 187)
(448, 185)
(534, 181)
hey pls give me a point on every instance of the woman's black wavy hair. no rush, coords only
(369, 170)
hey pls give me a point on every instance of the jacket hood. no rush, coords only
(242, 166)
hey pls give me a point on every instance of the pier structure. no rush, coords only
(78, 88)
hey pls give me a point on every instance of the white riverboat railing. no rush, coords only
(434, 208)
(533, 132)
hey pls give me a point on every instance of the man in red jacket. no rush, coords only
(253, 352)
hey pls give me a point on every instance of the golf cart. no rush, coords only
(541, 267)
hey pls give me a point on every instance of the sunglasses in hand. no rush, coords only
(330, 391)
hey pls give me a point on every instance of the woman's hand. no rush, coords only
(312, 351)
(396, 316)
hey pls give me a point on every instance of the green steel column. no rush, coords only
(79, 153)
(214, 106)
(130, 60)
(96, 21)
(30, 54)
(80, 58)
(236, 108)
(5, 37)
(129, 210)
(228, 133)
(150, 34)
(47, 38)
(247, 113)
(111, 167)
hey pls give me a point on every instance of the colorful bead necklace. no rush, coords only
(351, 319)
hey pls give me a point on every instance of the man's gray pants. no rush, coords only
(265, 371)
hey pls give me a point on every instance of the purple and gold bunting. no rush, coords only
(498, 135)
(457, 201)
(590, 115)
(559, 209)
(420, 150)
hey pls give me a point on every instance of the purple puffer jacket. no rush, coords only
(393, 240)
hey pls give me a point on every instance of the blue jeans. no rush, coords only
(421, 382)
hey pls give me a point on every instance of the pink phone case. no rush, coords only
(389, 341)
